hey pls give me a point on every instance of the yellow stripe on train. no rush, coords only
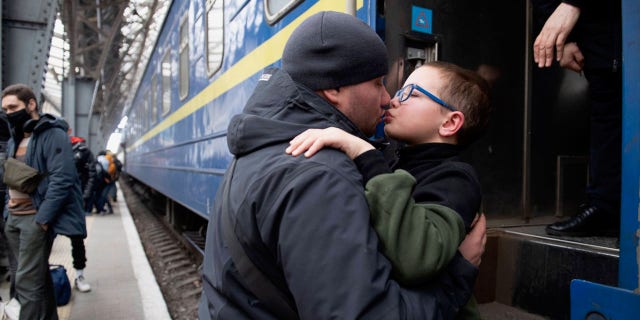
(267, 53)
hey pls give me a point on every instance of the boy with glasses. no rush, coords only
(440, 108)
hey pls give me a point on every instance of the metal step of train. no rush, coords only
(524, 269)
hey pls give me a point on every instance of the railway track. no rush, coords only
(175, 262)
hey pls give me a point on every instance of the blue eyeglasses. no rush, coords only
(405, 93)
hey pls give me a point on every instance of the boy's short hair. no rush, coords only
(22, 92)
(468, 93)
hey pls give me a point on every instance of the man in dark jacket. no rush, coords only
(586, 36)
(303, 223)
(54, 207)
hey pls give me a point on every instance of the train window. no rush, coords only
(145, 112)
(215, 33)
(184, 59)
(276, 9)
(166, 83)
(154, 106)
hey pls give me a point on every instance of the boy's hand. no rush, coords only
(312, 140)
(472, 247)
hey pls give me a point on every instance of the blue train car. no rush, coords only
(207, 60)
(209, 55)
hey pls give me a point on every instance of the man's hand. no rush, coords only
(312, 140)
(472, 247)
(44, 227)
(572, 57)
(554, 33)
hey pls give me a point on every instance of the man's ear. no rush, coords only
(332, 95)
(452, 124)
(31, 106)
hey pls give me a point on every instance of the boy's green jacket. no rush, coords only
(419, 239)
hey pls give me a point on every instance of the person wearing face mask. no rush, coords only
(54, 207)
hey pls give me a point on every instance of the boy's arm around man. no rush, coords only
(326, 246)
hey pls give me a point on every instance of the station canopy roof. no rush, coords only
(107, 41)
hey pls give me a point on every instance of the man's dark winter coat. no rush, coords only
(305, 222)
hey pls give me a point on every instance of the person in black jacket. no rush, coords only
(584, 35)
(86, 167)
(303, 224)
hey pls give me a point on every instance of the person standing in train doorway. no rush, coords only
(36, 215)
(290, 238)
(585, 36)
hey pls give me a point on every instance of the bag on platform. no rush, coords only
(20, 176)
(61, 285)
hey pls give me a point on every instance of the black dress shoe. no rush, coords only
(590, 221)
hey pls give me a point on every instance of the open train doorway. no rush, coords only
(527, 168)
(532, 160)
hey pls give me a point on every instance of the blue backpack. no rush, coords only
(61, 285)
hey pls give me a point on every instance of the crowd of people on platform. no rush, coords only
(50, 182)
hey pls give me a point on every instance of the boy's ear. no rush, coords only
(452, 124)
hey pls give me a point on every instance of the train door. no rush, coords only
(532, 159)
(527, 168)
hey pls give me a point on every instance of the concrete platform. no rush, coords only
(122, 283)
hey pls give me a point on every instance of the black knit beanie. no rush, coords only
(332, 49)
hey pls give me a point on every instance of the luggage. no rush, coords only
(61, 284)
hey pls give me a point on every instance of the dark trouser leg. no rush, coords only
(605, 94)
(34, 288)
(13, 268)
(601, 215)
(13, 263)
(99, 199)
(78, 252)
(4, 247)
(113, 191)
(5, 251)
(105, 196)
(88, 204)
